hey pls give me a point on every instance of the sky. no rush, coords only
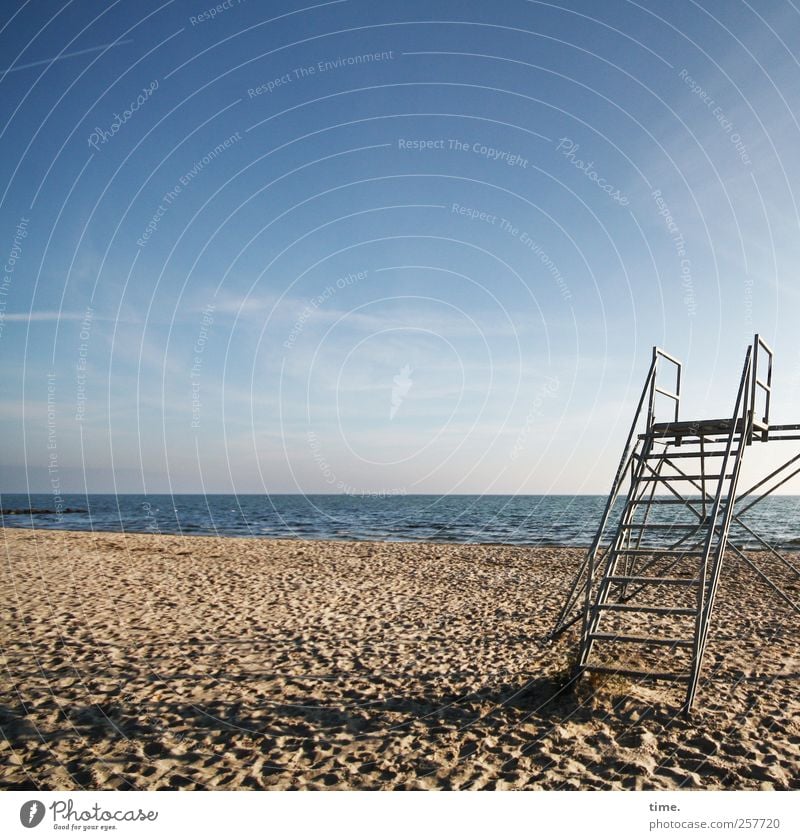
(370, 247)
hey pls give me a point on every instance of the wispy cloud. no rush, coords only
(27, 317)
(43, 61)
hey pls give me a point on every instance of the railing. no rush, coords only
(766, 386)
(585, 575)
(655, 389)
(719, 519)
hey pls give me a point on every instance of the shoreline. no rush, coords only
(140, 661)
(785, 549)
(266, 537)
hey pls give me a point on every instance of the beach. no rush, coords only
(150, 662)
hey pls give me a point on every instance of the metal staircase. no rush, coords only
(645, 592)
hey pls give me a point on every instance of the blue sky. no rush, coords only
(378, 247)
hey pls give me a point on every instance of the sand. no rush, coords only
(162, 662)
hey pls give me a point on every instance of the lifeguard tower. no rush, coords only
(644, 594)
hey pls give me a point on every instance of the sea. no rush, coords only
(506, 520)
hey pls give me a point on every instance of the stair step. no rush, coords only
(645, 609)
(654, 581)
(668, 456)
(640, 640)
(657, 526)
(641, 675)
(669, 552)
(666, 478)
(663, 500)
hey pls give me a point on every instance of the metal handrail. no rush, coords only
(721, 515)
(585, 573)
(582, 582)
(675, 395)
(766, 387)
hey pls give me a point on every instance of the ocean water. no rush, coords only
(509, 520)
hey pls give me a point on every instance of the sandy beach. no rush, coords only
(163, 662)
